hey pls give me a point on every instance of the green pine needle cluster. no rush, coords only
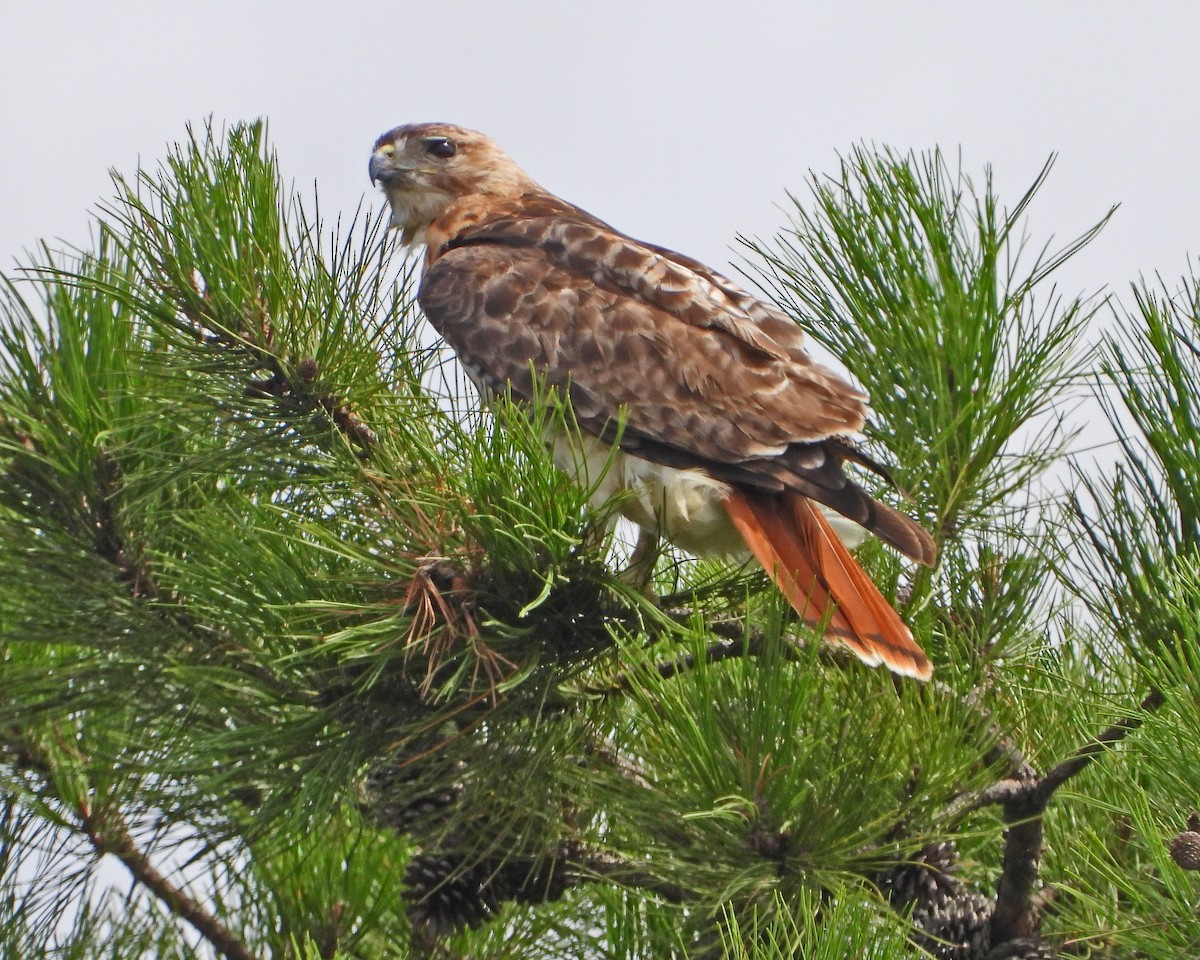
(326, 660)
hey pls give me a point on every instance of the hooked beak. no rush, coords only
(388, 165)
(379, 168)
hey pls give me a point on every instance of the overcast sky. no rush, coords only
(681, 122)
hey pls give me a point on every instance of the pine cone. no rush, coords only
(1024, 948)
(402, 796)
(447, 896)
(449, 893)
(525, 881)
(1185, 849)
(959, 929)
(926, 882)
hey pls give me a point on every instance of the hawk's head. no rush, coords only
(424, 167)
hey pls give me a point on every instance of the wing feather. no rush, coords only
(707, 376)
(616, 313)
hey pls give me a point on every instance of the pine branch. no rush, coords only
(1090, 751)
(738, 640)
(599, 864)
(112, 543)
(299, 386)
(1023, 801)
(746, 644)
(109, 834)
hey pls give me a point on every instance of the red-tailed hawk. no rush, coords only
(731, 430)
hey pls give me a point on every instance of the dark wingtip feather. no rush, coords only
(903, 533)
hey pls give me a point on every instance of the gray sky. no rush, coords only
(682, 122)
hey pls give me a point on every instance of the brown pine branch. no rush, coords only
(112, 543)
(108, 536)
(108, 833)
(597, 865)
(1090, 751)
(1023, 801)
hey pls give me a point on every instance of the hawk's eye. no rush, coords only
(440, 147)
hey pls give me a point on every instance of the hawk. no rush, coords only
(732, 437)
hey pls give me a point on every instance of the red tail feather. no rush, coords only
(794, 542)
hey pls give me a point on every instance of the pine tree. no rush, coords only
(328, 661)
